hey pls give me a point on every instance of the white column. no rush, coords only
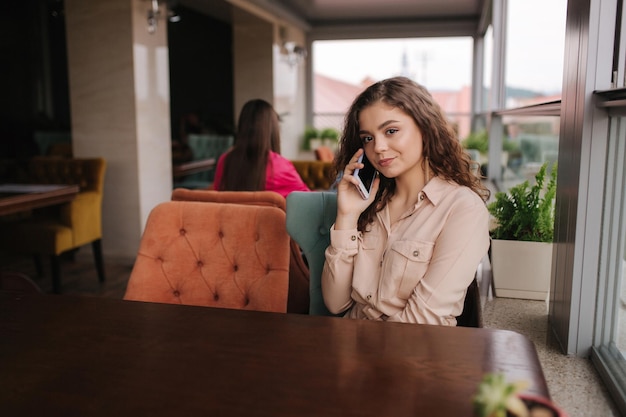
(119, 97)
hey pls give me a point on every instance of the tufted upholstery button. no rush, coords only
(216, 297)
(200, 264)
(220, 233)
(235, 268)
(176, 293)
(256, 237)
(246, 301)
(183, 232)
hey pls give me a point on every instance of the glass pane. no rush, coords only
(343, 68)
(620, 327)
(534, 51)
(487, 66)
(529, 142)
(610, 345)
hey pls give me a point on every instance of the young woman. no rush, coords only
(409, 251)
(254, 162)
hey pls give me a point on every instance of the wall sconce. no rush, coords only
(293, 53)
(154, 14)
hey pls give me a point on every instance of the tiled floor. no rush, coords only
(573, 382)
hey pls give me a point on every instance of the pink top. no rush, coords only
(281, 175)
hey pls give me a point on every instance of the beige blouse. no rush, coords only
(416, 270)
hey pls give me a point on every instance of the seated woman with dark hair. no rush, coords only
(254, 162)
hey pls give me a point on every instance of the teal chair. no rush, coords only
(205, 146)
(309, 218)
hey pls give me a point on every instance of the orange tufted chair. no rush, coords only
(213, 254)
(298, 300)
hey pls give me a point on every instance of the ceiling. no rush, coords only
(322, 12)
(340, 19)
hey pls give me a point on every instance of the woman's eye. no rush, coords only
(391, 131)
(366, 139)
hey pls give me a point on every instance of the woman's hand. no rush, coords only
(350, 204)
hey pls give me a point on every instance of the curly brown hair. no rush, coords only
(446, 156)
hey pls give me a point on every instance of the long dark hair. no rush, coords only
(258, 133)
(446, 156)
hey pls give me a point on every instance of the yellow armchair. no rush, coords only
(54, 230)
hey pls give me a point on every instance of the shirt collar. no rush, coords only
(436, 189)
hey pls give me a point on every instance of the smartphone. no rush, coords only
(365, 176)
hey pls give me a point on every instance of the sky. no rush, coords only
(535, 53)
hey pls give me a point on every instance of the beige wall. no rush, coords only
(261, 72)
(252, 55)
(119, 97)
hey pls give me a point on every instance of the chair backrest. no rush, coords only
(324, 153)
(317, 175)
(309, 218)
(298, 300)
(213, 254)
(259, 198)
(205, 146)
(88, 173)
(472, 315)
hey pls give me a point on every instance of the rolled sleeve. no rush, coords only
(338, 269)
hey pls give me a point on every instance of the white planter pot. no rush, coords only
(315, 143)
(332, 144)
(521, 269)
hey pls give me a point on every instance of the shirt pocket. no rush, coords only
(405, 265)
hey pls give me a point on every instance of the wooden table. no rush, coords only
(193, 167)
(20, 197)
(85, 356)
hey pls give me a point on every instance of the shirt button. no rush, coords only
(416, 253)
(353, 238)
(421, 197)
(369, 296)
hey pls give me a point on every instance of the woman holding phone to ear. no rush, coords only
(409, 251)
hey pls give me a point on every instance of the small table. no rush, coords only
(77, 356)
(20, 197)
(193, 167)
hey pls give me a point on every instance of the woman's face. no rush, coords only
(391, 140)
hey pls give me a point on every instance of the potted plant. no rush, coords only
(312, 138)
(521, 245)
(498, 398)
(330, 137)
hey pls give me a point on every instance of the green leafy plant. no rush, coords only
(496, 397)
(478, 141)
(526, 212)
(310, 133)
(330, 133)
